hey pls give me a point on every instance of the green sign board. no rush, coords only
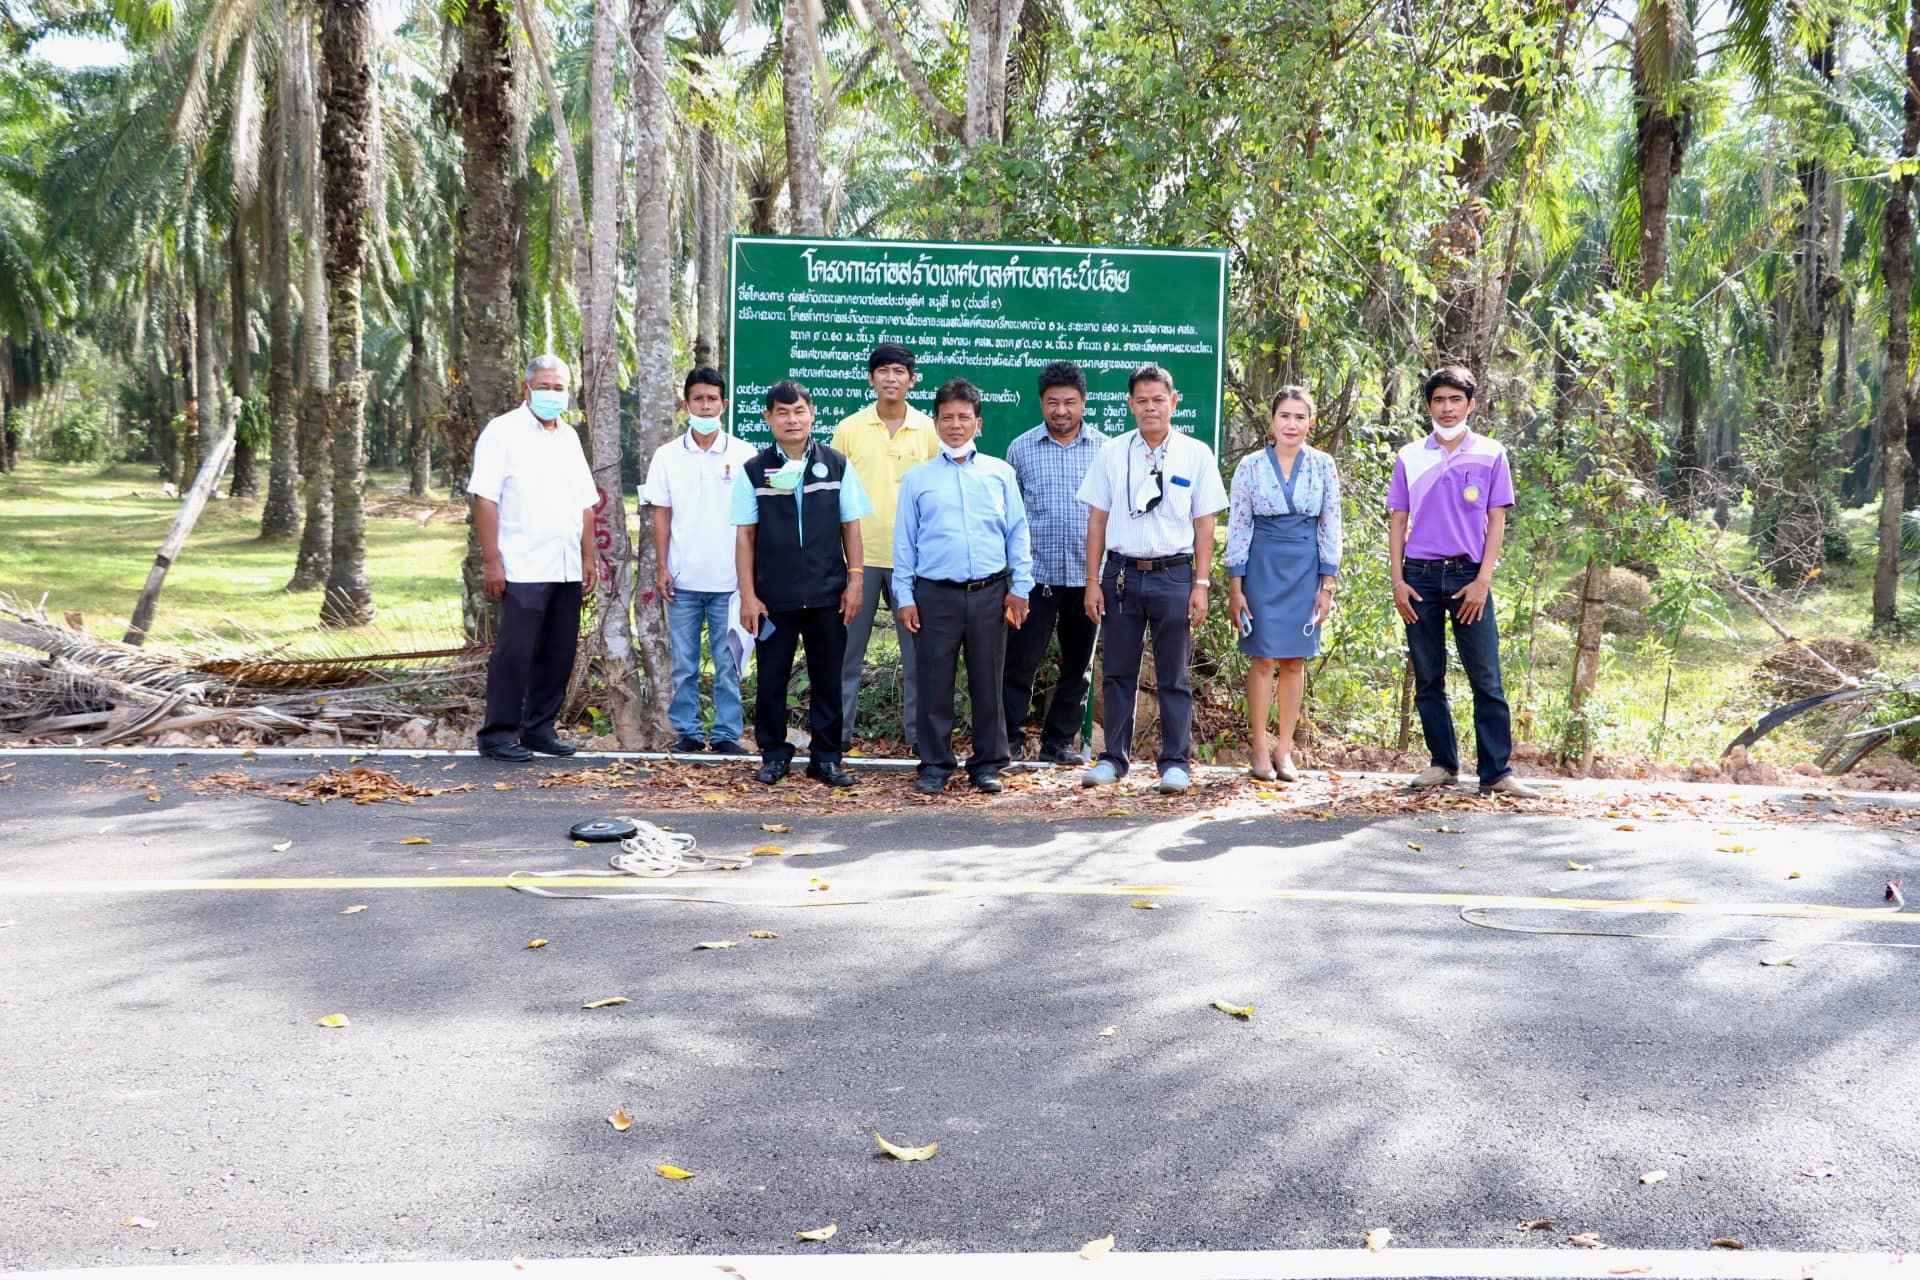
(994, 314)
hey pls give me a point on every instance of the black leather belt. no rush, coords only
(1148, 566)
(977, 584)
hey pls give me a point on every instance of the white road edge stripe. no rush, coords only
(1300, 1264)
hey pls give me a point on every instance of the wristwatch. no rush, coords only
(1203, 582)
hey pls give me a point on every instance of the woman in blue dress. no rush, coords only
(1283, 555)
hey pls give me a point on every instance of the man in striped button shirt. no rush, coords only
(1051, 460)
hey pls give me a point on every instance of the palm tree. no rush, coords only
(1897, 273)
(346, 136)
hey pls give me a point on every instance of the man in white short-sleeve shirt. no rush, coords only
(690, 490)
(1152, 496)
(533, 506)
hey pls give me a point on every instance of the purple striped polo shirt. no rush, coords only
(1447, 495)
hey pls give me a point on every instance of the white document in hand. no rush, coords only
(739, 640)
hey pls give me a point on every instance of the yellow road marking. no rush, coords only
(1002, 888)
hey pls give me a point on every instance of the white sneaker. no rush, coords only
(1101, 775)
(1174, 780)
(1433, 776)
(1512, 786)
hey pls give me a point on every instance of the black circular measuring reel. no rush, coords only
(603, 830)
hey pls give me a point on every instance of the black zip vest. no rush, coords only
(788, 573)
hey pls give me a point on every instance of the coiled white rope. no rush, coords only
(652, 852)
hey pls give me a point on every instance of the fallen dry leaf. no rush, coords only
(674, 1172)
(716, 946)
(768, 851)
(1096, 1248)
(762, 933)
(1821, 1171)
(283, 846)
(1587, 1240)
(1734, 848)
(331, 1020)
(1378, 1239)
(1244, 1012)
(154, 796)
(536, 944)
(907, 1153)
(1626, 826)
(354, 910)
(820, 1233)
(1578, 866)
(138, 1224)
(778, 828)
(503, 786)
(1727, 1242)
(1535, 1224)
(1415, 847)
(620, 1120)
(1144, 904)
(416, 840)
(608, 1003)
(1451, 831)
(1652, 1176)
(1793, 875)
(1114, 813)
(1780, 963)
(714, 797)
(1109, 1031)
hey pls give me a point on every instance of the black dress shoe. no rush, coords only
(829, 772)
(771, 771)
(1060, 755)
(989, 783)
(727, 747)
(508, 751)
(548, 746)
(687, 742)
(929, 784)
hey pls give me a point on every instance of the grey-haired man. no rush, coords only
(533, 505)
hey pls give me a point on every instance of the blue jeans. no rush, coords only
(686, 613)
(1435, 581)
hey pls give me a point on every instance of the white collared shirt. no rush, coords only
(1193, 489)
(539, 478)
(696, 486)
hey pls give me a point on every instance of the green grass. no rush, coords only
(83, 537)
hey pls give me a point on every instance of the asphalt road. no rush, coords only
(159, 1058)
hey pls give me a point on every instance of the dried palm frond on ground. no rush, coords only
(65, 682)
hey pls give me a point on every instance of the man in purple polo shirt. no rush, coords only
(1448, 503)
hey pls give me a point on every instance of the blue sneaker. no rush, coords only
(1174, 780)
(1103, 774)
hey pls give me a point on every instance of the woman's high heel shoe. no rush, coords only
(1262, 770)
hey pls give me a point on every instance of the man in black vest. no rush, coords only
(797, 507)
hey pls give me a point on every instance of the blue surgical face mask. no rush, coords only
(702, 426)
(547, 405)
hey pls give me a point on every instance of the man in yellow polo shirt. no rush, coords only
(883, 441)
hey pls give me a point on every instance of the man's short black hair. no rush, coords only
(704, 376)
(1149, 373)
(890, 353)
(957, 389)
(1063, 373)
(787, 391)
(1457, 376)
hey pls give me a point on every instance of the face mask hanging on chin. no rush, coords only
(1450, 434)
(702, 426)
(787, 478)
(958, 454)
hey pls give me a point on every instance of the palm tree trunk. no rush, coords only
(246, 480)
(1589, 633)
(418, 453)
(1799, 546)
(280, 517)
(315, 556)
(707, 246)
(346, 129)
(206, 387)
(1660, 147)
(803, 131)
(485, 255)
(653, 332)
(1897, 269)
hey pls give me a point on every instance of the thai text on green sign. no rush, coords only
(994, 314)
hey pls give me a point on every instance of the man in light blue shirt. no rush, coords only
(962, 572)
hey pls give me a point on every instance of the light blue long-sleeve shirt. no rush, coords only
(958, 522)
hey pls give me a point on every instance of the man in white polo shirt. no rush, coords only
(690, 488)
(533, 504)
(1153, 494)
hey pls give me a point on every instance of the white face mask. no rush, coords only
(702, 426)
(1450, 434)
(958, 454)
